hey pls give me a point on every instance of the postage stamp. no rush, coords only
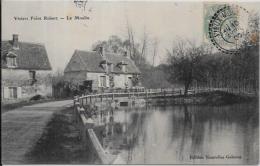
(226, 27)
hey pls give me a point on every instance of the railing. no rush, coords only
(146, 93)
(149, 93)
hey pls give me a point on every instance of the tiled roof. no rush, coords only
(91, 61)
(30, 56)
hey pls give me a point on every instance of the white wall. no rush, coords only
(121, 79)
(80, 76)
(21, 79)
(96, 79)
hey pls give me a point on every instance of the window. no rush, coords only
(111, 67)
(13, 92)
(105, 67)
(129, 81)
(11, 61)
(123, 68)
(102, 81)
(111, 81)
(32, 75)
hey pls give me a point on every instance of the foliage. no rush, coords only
(62, 88)
(113, 44)
(135, 80)
(199, 67)
(185, 64)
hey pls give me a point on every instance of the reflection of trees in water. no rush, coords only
(185, 126)
(250, 142)
(185, 130)
(237, 113)
(189, 122)
(191, 126)
(136, 133)
(129, 133)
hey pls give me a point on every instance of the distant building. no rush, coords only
(97, 70)
(25, 70)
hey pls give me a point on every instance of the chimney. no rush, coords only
(126, 54)
(100, 50)
(15, 41)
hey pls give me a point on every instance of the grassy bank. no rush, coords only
(60, 143)
(213, 98)
(225, 98)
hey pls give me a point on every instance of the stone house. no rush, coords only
(99, 70)
(26, 70)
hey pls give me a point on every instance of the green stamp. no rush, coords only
(209, 9)
(225, 26)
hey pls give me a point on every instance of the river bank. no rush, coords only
(215, 98)
(60, 143)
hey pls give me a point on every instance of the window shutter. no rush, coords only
(99, 81)
(19, 92)
(107, 81)
(6, 92)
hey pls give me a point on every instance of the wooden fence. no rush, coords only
(149, 93)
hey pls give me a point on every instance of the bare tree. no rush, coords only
(130, 39)
(185, 63)
(144, 46)
(155, 49)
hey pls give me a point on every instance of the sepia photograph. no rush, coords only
(143, 82)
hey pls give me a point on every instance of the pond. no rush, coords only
(183, 134)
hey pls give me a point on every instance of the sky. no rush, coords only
(165, 21)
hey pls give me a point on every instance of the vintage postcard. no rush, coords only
(130, 82)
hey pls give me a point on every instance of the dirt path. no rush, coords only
(22, 127)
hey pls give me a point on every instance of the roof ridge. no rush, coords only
(84, 50)
(96, 51)
(36, 43)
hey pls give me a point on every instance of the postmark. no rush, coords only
(228, 28)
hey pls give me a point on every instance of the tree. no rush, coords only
(185, 64)
(155, 49)
(113, 44)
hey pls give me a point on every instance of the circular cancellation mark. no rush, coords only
(228, 28)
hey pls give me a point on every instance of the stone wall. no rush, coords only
(89, 138)
(26, 88)
(121, 80)
(77, 77)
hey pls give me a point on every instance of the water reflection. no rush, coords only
(177, 135)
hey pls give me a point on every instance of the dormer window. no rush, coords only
(103, 64)
(111, 67)
(122, 65)
(11, 61)
(123, 68)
